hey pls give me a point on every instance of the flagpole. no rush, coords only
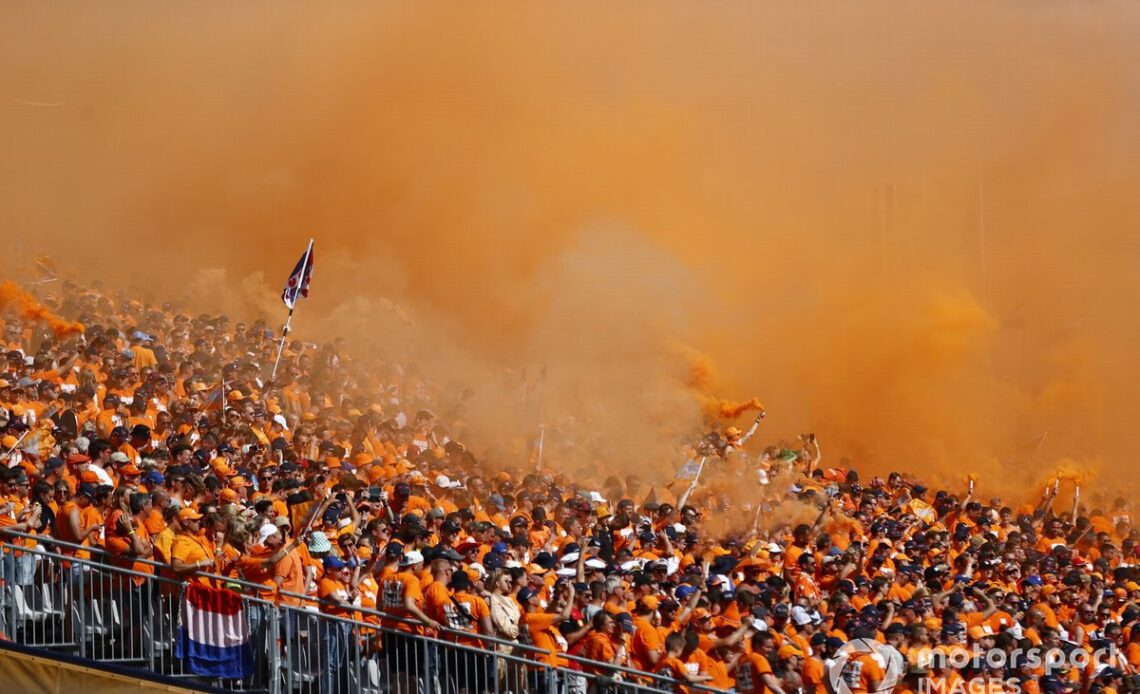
(692, 487)
(541, 438)
(289, 318)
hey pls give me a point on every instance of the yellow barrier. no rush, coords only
(30, 674)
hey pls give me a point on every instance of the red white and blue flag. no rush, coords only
(298, 282)
(213, 638)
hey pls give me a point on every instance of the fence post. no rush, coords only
(9, 606)
(274, 645)
(78, 598)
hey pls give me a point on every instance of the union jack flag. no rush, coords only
(298, 282)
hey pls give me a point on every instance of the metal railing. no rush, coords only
(97, 610)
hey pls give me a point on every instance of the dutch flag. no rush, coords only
(213, 638)
(298, 282)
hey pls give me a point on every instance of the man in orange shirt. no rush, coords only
(671, 665)
(648, 643)
(191, 552)
(338, 598)
(73, 525)
(401, 596)
(469, 614)
(262, 554)
(600, 645)
(540, 629)
(128, 541)
(754, 671)
(862, 672)
(18, 514)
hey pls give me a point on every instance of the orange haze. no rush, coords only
(909, 227)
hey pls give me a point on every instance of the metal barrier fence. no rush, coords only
(93, 609)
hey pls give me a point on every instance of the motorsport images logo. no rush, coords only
(859, 662)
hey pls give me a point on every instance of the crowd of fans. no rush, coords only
(157, 435)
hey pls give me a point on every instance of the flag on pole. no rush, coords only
(298, 282)
(689, 470)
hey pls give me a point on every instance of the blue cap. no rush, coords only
(525, 595)
(153, 478)
(685, 591)
(1034, 580)
(332, 562)
(499, 548)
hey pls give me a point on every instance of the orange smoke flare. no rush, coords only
(728, 409)
(13, 298)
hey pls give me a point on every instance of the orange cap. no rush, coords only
(788, 651)
(979, 632)
(188, 514)
(649, 602)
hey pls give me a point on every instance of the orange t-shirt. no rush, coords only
(394, 591)
(291, 572)
(541, 627)
(251, 567)
(750, 673)
(334, 590)
(674, 668)
(119, 546)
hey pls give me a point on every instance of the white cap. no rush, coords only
(566, 571)
(801, 616)
(343, 523)
(774, 548)
(570, 558)
(412, 557)
(678, 527)
(119, 457)
(595, 563)
(596, 498)
(478, 568)
(631, 565)
(280, 419)
(267, 531)
(759, 624)
(512, 564)
(444, 482)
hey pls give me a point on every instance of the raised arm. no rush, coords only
(752, 429)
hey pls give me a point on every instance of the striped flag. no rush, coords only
(298, 282)
(213, 638)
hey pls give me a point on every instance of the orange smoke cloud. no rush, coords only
(918, 244)
(13, 298)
